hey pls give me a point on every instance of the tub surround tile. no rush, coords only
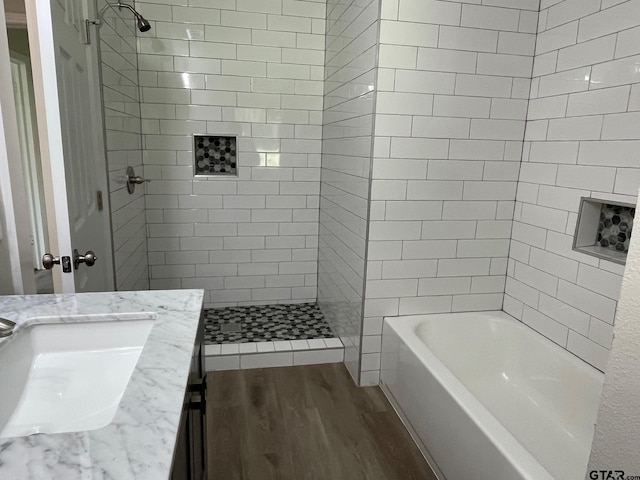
(139, 442)
(585, 144)
(578, 142)
(466, 98)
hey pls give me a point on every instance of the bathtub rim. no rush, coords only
(404, 328)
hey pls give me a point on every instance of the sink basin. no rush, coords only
(67, 377)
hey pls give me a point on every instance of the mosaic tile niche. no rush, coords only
(614, 229)
(215, 155)
(604, 229)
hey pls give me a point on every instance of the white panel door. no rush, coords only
(67, 89)
(16, 264)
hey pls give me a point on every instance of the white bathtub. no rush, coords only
(487, 398)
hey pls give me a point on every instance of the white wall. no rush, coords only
(615, 445)
(582, 139)
(252, 68)
(119, 69)
(352, 32)
(453, 88)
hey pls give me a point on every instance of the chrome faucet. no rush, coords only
(6, 327)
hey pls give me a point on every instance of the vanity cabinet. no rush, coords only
(190, 456)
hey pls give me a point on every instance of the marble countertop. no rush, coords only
(140, 441)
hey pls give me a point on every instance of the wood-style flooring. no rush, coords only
(305, 423)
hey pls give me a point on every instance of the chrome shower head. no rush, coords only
(142, 23)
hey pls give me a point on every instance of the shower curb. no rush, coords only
(273, 354)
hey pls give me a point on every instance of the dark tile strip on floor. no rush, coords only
(265, 323)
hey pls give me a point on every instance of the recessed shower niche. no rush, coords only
(215, 155)
(604, 229)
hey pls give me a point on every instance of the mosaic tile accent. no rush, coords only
(265, 323)
(614, 229)
(215, 155)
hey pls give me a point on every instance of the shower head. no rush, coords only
(142, 23)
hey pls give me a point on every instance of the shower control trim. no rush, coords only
(132, 180)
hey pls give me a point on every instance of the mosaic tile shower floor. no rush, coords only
(265, 323)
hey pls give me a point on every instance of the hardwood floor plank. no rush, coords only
(306, 423)
(229, 388)
(227, 444)
(311, 451)
(400, 457)
(268, 452)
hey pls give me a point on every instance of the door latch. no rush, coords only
(49, 261)
(89, 258)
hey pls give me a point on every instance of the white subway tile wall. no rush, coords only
(449, 129)
(456, 137)
(582, 140)
(119, 68)
(350, 66)
(252, 69)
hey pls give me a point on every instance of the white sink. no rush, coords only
(68, 377)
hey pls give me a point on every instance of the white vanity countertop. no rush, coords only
(139, 443)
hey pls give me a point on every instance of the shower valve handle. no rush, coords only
(132, 180)
(138, 180)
